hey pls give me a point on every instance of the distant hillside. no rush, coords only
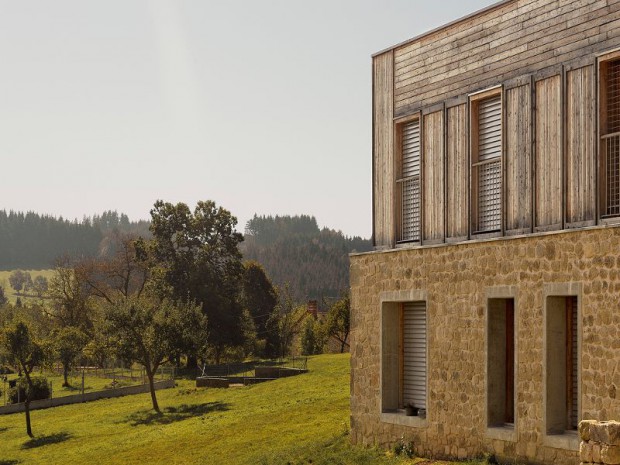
(33, 241)
(294, 250)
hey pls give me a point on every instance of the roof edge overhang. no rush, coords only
(444, 26)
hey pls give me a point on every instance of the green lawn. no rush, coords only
(297, 420)
(10, 293)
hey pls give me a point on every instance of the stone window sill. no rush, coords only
(399, 418)
(568, 440)
(503, 433)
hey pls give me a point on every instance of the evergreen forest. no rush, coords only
(293, 250)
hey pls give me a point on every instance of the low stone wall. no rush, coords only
(277, 372)
(207, 381)
(86, 397)
(600, 442)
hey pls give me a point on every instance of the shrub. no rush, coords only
(4, 370)
(41, 390)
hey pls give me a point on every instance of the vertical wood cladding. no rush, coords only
(383, 150)
(433, 177)
(580, 146)
(548, 164)
(518, 159)
(457, 172)
(541, 53)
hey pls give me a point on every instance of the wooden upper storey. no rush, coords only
(543, 61)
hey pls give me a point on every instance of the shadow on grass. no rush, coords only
(2, 430)
(46, 440)
(9, 462)
(174, 414)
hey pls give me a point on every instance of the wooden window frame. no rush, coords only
(601, 67)
(474, 101)
(399, 124)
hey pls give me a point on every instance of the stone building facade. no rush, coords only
(490, 306)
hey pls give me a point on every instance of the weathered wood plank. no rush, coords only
(548, 160)
(383, 150)
(490, 75)
(580, 145)
(457, 172)
(518, 158)
(433, 177)
(577, 28)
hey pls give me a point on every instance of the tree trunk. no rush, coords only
(192, 362)
(65, 374)
(151, 376)
(27, 410)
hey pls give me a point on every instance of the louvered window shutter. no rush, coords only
(410, 183)
(611, 139)
(414, 354)
(489, 164)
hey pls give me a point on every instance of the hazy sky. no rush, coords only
(262, 106)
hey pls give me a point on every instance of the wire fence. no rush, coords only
(83, 379)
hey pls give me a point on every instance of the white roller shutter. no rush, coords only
(489, 163)
(414, 354)
(410, 183)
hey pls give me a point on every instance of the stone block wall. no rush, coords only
(600, 442)
(458, 281)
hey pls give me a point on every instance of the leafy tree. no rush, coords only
(148, 331)
(260, 298)
(312, 339)
(23, 353)
(286, 321)
(3, 299)
(40, 285)
(195, 256)
(28, 284)
(69, 342)
(338, 322)
(17, 279)
(69, 294)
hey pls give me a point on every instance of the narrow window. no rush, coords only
(500, 363)
(409, 182)
(562, 364)
(403, 354)
(414, 354)
(486, 137)
(609, 88)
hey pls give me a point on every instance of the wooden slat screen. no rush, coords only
(414, 354)
(410, 182)
(489, 153)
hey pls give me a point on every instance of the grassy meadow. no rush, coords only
(10, 293)
(297, 420)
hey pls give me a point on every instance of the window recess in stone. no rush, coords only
(404, 360)
(562, 365)
(501, 363)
